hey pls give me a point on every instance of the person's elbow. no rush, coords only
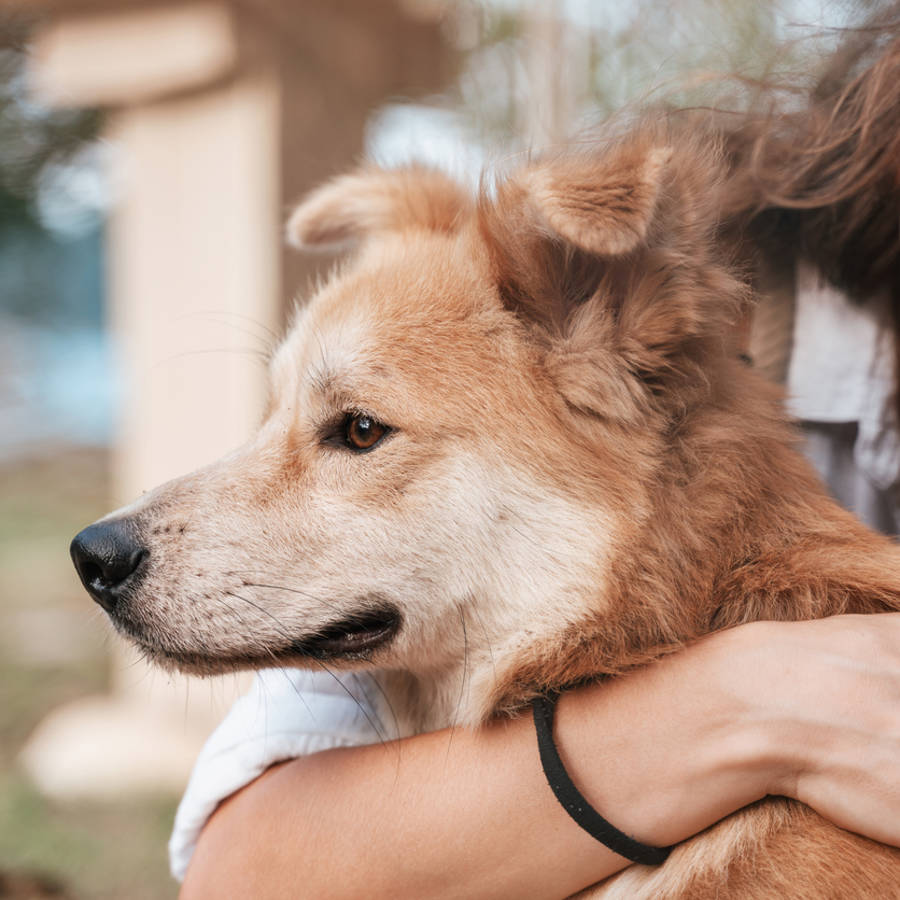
(216, 868)
(236, 856)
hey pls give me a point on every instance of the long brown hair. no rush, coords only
(824, 179)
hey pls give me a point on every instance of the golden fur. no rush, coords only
(580, 475)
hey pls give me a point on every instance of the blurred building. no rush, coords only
(221, 115)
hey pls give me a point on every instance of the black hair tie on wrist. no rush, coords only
(574, 803)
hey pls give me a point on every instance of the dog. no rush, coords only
(510, 446)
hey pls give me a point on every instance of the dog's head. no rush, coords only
(462, 430)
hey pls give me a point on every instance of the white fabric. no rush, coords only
(286, 714)
(842, 370)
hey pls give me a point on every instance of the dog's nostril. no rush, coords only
(106, 555)
(90, 573)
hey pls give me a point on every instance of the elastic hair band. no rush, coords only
(572, 800)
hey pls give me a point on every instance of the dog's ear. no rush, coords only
(601, 206)
(613, 261)
(557, 227)
(350, 208)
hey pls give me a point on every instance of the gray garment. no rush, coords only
(831, 448)
(841, 384)
(842, 370)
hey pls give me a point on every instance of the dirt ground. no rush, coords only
(54, 648)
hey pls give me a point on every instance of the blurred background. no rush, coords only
(149, 152)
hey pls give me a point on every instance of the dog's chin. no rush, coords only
(355, 639)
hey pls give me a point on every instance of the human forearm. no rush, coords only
(424, 817)
(662, 753)
(810, 710)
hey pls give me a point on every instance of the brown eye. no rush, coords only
(362, 432)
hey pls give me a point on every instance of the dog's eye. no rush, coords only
(362, 432)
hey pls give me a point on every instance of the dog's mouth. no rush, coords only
(356, 636)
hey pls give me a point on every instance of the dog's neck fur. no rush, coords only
(707, 555)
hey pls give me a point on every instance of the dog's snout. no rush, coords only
(106, 556)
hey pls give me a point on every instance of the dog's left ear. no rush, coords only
(611, 257)
(556, 227)
(603, 207)
(346, 210)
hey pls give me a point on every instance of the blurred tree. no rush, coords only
(47, 275)
(537, 71)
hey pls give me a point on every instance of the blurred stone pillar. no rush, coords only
(220, 115)
(557, 65)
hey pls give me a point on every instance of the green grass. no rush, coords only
(52, 650)
(98, 851)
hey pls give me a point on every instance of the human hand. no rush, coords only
(838, 718)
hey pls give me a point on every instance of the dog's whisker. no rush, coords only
(235, 610)
(379, 730)
(382, 739)
(465, 671)
(223, 315)
(487, 641)
(276, 662)
(241, 351)
(284, 632)
(282, 587)
(321, 342)
(283, 669)
(279, 664)
(386, 697)
(360, 686)
(265, 344)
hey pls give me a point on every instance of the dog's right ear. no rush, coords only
(350, 208)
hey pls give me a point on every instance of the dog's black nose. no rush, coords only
(106, 555)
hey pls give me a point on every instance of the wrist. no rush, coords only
(757, 734)
(731, 747)
(683, 743)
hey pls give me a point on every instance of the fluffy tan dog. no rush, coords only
(510, 446)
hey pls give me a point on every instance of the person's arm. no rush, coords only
(811, 710)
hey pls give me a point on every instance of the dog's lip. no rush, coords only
(355, 636)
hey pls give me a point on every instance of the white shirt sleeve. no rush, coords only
(287, 713)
